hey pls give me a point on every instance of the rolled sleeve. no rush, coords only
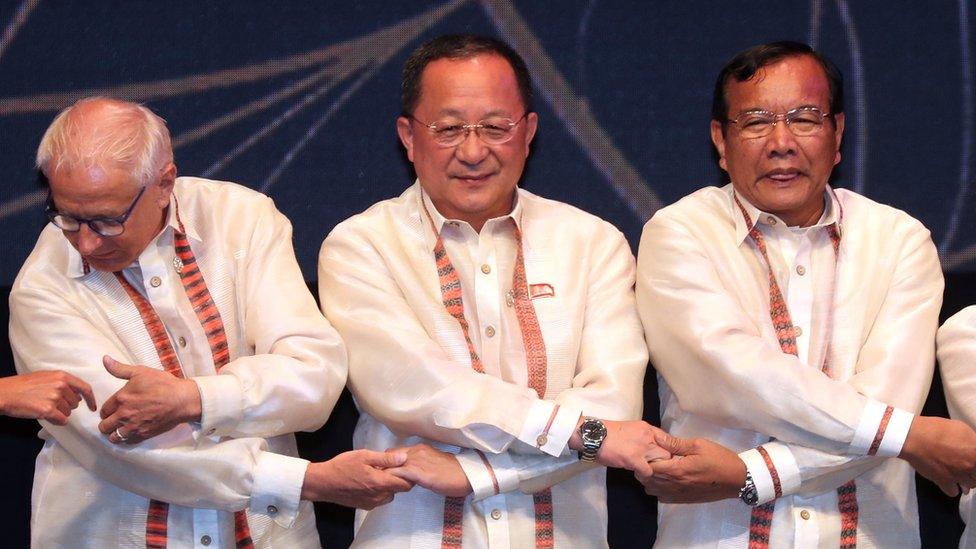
(489, 474)
(882, 430)
(774, 470)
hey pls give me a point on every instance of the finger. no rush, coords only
(668, 468)
(643, 469)
(384, 460)
(56, 417)
(118, 369)
(63, 406)
(111, 405)
(656, 453)
(674, 445)
(83, 390)
(69, 396)
(950, 489)
(109, 424)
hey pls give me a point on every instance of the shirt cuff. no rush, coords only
(277, 487)
(774, 470)
(488, 474)
(882, 430)
(548, 426)
(221, 404)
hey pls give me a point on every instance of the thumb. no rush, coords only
(385, 460)
(116, 368)
(677, 446)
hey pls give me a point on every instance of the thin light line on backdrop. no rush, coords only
(574, 112)
(860, 97)
(16, 22)
(965, 156)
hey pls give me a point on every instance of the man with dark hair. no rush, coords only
(485, 321)
(792, 323)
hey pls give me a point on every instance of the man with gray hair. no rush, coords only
(180, 301)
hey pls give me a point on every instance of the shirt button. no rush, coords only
(541, 440)
(496, 514)
(181, 341)
(801, 270)
(155, 281)
(798, 331)
(771, 220)
(205, 540)
(805, 515)
(272, 510)
(486, 268)
(490, 331)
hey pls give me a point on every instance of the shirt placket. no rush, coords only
(487, 290)
(800, 299)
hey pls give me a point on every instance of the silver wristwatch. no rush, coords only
(748, 494)
(593, 433)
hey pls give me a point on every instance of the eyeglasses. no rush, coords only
(104, 226)
(494, 130)
(802, 121)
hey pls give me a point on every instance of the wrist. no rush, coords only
(192, 401)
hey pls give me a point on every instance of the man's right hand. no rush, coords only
(355, 479)
(628, 445)
(943, 451)
(47, 395)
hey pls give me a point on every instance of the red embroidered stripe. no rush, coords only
(535, 356)
(847, 504)
(542, 502)
(206, 311)
(491, 471)
(451, 532)
(761, 519)
(777, 487)
(156, 525)
(879, 436)
(760, 523)
(535, 347)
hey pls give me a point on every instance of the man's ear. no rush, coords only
(718, 139)
(405, 131)
(166, 182)
(838, 135)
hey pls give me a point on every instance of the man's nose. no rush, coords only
(472, 150)
(88, 240)
(781, 140)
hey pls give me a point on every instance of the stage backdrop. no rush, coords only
(298, 100)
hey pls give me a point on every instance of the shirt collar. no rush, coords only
(833, 213)
(439, 220)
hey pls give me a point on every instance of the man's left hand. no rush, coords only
(701, 471)
(436, 471)
(150, 404)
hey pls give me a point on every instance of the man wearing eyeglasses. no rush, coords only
(494, 326)
(180, 301)
(793, 324)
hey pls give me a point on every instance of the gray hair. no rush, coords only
(123, 134)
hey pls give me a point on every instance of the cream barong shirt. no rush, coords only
(286, 371)
(411, 374)
(703, 296)
(957, 364)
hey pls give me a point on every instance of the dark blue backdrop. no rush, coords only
(299, 99)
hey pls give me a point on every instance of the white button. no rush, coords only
(805, 515)
(205, 540)
(801, 270)
(181, 341)
(490, 331)
(155, 281)
(272, 510)
(541, 440)
(771, 220)
(798, 331)
(496, 514)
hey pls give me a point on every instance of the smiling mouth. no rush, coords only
(783, 175)
(473, 178)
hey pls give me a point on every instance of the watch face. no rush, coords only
(593, 430)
